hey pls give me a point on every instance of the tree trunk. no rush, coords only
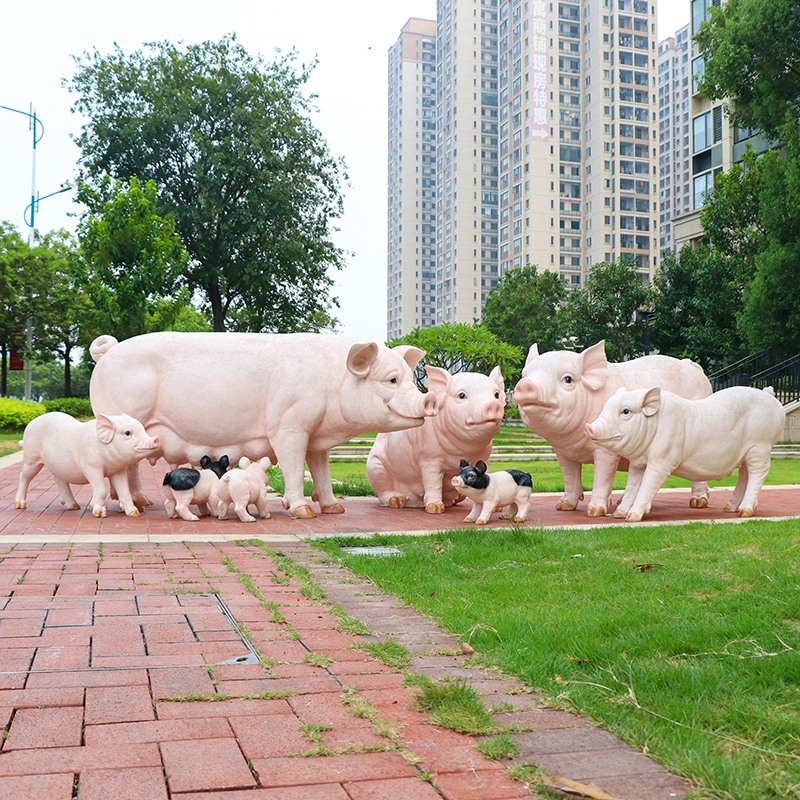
(217, 312)
(67, 372)
(3, 372)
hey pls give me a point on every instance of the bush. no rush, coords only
(16, 414)
(79, 407)
(512, 413)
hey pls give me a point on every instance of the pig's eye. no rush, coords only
(127, 433)
(497, 395)
(568, 379)
(462, 396)
(392, 380)
(626, 412)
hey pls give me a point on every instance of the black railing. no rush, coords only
(784, 378)
(740, 373)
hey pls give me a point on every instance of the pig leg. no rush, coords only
(290, 450)
(119, 487)
(635, 476)
(756, 469)
(241, 498)
(320, 465)
(432, 477)
(573, 486)
(486, 511)
(652, 481)
(182, 500)
(523, 506)
(473, 514)
(99, 495)
(605, 468)
(29, 471)
(699, 497)
(382, 482)
(140, 499)
(66, 496)
(261, 505)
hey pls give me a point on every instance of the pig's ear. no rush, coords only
(205, 462)
(105, 429)
(224, 462)
(652, 401)
(361, 357)
(410, 354)
(244, 462)
(593, 365)
(480, 466)
(533, 352)
(438, 379)
(497, 376)
(463, 464)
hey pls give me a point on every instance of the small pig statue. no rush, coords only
(663, 434)
(85, 452)
(415, 467)
(561, 391)
(508, 487)
(186, 486)
(243, 486)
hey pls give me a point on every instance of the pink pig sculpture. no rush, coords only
(84, 452)
(561, 391)
(290, 397)
(415, 467)
(662, 434)
(244, 486)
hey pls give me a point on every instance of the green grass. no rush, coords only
(9, 442)
(684, 640)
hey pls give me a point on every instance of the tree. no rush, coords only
(606, 306)
(135, 258)
(461, 348)
(697, 298)
(227, 139)
(523, 309)
(752, 58)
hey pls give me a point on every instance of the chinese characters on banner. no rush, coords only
(539, 68)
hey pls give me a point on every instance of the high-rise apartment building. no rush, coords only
(412, 179)
(675, 56)
(546, 142)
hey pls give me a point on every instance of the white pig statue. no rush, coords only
(84, 452)
(290, 397)
(663, 434)
(561, 391)
(243, 486)
(415, 467)
(491, 490)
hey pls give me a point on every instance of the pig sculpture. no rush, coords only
(561, 391)
(661, 434)
(488, 491)
(186, 487)
(84, 452)
(416, 467)
(244, 486)
(290, 397)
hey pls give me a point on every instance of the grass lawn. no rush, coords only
(9, 442)
(684, 640)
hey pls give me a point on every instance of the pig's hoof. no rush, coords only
(396, 502)
(459, 499)
(698, 502)
(434, 508)
(566, 505)
(595, 511)
(480, 521)
(303, 512)
(631, 517)
(334, 508)
(100, 511)
(19, 504)
(73, 507)
(619, 514)
(519, 519)
(142, 500)
(133, 513)
(745, 512)
(246, 518)
(285, 503)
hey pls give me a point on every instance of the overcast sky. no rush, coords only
(350, 38)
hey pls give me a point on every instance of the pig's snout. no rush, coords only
(149, 443)
(525, 392)
(590, 432)
(430, 405)
(457, 481)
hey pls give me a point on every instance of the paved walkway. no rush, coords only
(144, 658)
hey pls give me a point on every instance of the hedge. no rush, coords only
(16, 414)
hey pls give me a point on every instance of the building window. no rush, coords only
(702, 186)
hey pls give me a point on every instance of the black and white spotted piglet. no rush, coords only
(186, 486)
(509, 487)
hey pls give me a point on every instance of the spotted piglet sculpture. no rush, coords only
(244, 486)
(84, 452)
(415, 467)
(186, 486)
(488, 491)
(663, 434)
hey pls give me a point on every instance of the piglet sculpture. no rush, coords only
(186, 486)
(416, 467)
(661, 434)
(561, 391)
(508, 487)
(84, 452)
(243, 486)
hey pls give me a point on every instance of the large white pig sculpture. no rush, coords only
(663, 434)
(561, 391)
(84, 452)
(290, 397)
(415, 467)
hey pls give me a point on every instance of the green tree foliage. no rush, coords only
(14, 262)
(606, 306)
(462, 348)
(523, 309)
(227, 139)
(696, 299)
(135, 258)
(751, 50)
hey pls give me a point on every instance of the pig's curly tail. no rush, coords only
(101, 345)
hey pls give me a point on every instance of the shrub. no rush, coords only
(79, 407)
(512, 412)
(16, 414)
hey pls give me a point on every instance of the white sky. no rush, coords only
(350, 38)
